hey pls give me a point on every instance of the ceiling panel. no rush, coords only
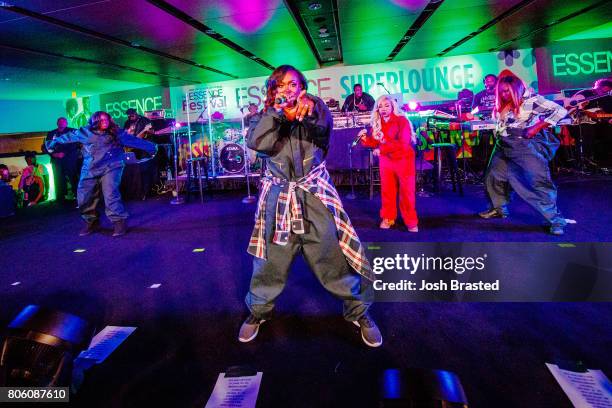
(265, 28)
(454, 20)
(370, 30)
(531, 18)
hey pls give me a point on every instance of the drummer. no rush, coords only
(253, 114)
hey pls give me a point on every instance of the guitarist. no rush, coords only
(596, 137)
(136, 124)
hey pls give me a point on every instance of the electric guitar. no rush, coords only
(575, 104)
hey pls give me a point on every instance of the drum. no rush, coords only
(232, 135)
(232, 158)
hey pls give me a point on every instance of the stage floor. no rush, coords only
(310, 357)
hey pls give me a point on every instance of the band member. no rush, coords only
(136, 124)
(523, 149)
(393, 139)
(65, 161)
(593, 110)
(253, 115)
(358, 101)
(463, 106)
(299, 209)
(485, 99)
(103, 156)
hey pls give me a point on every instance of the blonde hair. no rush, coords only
(376, 119)
(517, 91)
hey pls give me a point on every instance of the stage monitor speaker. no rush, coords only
(39, 347)
(421, 388)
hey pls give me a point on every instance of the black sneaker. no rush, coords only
(493, 213)
(249, 329)
(89, 228)
(369, 331)
(120, 228)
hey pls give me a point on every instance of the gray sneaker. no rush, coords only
(369, 331)
(249, 329)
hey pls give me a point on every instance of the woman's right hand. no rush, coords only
(376, 152)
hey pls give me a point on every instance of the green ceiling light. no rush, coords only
(314, 6)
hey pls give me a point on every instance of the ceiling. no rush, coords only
(49, 48)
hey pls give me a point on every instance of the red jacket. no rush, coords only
(396, 142)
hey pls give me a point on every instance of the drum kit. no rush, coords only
(232, 153)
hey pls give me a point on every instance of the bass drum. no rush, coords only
(232, 158)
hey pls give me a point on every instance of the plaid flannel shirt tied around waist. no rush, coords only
(289, 217)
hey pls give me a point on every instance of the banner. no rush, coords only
(573, 64)
(422, 80)
(78, 111)
(141, 99)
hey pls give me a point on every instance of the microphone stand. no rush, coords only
(249, 199)
(351, 196)
(384, 87)
(177, 198)
(462, 139)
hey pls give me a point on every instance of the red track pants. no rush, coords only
(394, 173)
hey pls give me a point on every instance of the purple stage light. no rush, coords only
(413, 105)
(249, 17)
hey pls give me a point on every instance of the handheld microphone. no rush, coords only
(356, 140)
(280, 100)
(379, 83)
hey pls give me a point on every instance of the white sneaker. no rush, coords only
(249, 329)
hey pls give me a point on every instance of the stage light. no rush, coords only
(177, 125)
(421, 388)
(40, 347)
(413, 105)
(314, 6)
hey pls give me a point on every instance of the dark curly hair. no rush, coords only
(277, 75)
(113, 129)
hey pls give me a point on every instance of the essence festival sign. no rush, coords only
(573, 64)
(424, 80)
(142, 99)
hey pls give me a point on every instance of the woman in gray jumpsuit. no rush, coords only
(299, 209)
(103, 161)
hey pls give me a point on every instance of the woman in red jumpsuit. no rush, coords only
(393, 139)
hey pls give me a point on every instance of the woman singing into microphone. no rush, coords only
(393, 140)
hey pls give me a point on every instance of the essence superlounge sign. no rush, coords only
(573, 64)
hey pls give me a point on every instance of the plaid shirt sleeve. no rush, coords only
(551, 111)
